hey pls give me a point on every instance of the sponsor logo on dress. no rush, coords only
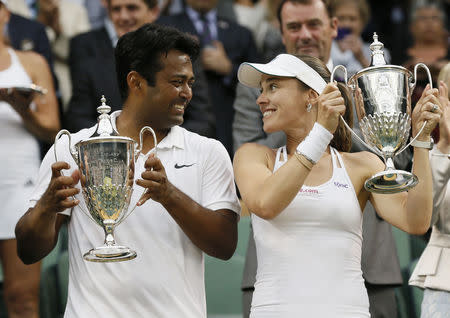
(341, 185)
(309, 192)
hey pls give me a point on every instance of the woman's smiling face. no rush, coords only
(282, 102)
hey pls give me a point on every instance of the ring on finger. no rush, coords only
(435, 108)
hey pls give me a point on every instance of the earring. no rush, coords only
(308, 107)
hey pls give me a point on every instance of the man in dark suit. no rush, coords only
(313, 35)
(93, 74)
(225, 45)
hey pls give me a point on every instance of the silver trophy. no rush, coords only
(382, 95)
(106, 163)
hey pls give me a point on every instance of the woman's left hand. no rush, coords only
(428, 109)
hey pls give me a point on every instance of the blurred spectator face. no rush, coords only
(349, 17)
(129, 15)
(202, 6)
(427, 25)
(307, 29)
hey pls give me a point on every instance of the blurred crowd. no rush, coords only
(73, 43)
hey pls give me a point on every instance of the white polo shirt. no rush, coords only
(167, 277)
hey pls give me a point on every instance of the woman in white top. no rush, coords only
(23, 118)
(307, 198)
(433, 269)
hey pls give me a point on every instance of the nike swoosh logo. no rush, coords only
(177, 166)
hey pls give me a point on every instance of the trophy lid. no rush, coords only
(105, 127)
(377, 52)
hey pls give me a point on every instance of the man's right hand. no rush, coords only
(61, 189)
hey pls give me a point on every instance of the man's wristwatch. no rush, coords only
(423, 144)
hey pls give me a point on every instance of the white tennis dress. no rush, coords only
(19, 155)
(309, 256)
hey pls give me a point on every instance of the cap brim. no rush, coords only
(250, 74)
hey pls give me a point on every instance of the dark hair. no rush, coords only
(149, 3)
(141, 51)
(342, 139)
(329, 5)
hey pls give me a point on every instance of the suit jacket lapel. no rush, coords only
(104, 44)
(224, 32)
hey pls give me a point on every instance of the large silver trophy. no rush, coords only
(382, 95)
(106, 163)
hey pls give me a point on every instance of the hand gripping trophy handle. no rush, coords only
(106, 162)
(382, 96)
(342, 67)
(75, 157)
(413, 85)
(138, 151)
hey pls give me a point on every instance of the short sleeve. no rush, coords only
(218, 188)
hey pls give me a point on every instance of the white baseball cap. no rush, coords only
(285, 65)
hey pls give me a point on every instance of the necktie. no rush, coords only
(205, 36)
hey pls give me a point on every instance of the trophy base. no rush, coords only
(391, 181)
(114, 253)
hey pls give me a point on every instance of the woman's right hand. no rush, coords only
(331, 105)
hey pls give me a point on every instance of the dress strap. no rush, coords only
(333, 158)
(13, 55)
(278, 161)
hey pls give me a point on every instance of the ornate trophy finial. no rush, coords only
(104, 126)
(103, 108)
(377, 52)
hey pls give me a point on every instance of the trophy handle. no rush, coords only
(375, 150)
(72, 150)
(413, 85)
(141, 139)
(139, 150)
(74, 154)
(430, 81)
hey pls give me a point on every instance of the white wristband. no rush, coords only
(315, 144)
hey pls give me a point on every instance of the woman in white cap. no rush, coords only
(307, 197)
(24, 118)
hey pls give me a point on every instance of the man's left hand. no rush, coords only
(154, 179)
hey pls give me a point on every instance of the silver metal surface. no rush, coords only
(106, 163)
(382, 96)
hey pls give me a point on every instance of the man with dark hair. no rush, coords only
(308, 27)
(93, 73)
(188, 207)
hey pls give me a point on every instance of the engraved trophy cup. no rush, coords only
(106, 163)
(382, 96)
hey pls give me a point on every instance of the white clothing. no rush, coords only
(432, 270)
(20, 154)
(167, 277)
(309, 256)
